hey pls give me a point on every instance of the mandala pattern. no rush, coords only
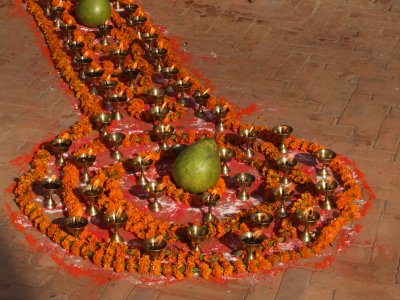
(108, 178)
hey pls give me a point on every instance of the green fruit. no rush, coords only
(197, 168)
(93, 13)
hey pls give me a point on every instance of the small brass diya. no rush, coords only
(117, 5)
(196, 235)
(130, 8)
(136, 21)
(282, 132)
(158, 54)
(220, 112)
(108, 86)
(115, 139)
(307, 218)
(245, 180)
(169, 74)
(326, 188)
(59, 146)
(141, 164)
(117, 101)
(92, 78)
(182, 86)
(149, 38)
(50, 187)
(83, 63)
(158, 114)
(91, 193)
(163, 132)
(116, 220)
(119, 56)
(75, 48)
(226, 154)
(104, 30)
(261, 219)
(154, 247)
(156, 190)
(101, 121)
(68, 30)
(131, 74)
(76, 225)
(85, 160)
(56, 12)
(283, 194)
(249, 134)
(325, 156)
(251, 241)
(156, 96)
(209, 200)
(47, 7)
(286, 165)
(201, 99)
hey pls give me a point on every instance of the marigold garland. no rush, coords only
(177, 262)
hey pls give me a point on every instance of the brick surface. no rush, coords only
(294, 282)
(358, 110)
(328, 68)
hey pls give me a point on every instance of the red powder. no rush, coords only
(247, 111)
(327, 261)
(10, 189)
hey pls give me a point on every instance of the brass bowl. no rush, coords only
(210, 199)
(84, 159)
(152, 248)
(164, 130)
(326, 186)
(220, 111)
(325, 156)
(113, 220)
(138, 163)
(103, 119)
(156, 95)
(226, 154)
(155, 188)
(115, 138)
(158, 52)
(248, 133)
(94, 74)
(51, 185)
(245, 179)
(282, 130)
(61, 145)
(249, 241)
(197, 233)
(75, 226)
(136, 21)
(88, 192)
(131, 72)
(149, 37)
(309, 219)
(286, 164)
(261, 219)
(169, 73)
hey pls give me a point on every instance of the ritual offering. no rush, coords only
(93, 13)
(198, 167)
(193, 170)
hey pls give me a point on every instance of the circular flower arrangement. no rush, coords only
(132, 43)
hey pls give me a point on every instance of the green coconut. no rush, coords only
(197, 168)
(93, 13)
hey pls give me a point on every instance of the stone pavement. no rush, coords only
(328, 68)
